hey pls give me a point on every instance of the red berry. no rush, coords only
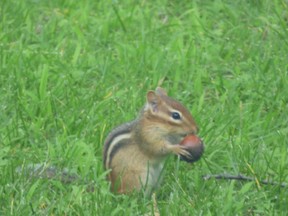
(191, 141)
(195, 146)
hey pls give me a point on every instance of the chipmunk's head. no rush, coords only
(169, 116)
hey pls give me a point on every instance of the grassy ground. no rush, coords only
(73, 70)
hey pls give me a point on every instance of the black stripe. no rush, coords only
(122, 129)
(120, 145)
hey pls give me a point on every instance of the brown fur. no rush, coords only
(137, 162)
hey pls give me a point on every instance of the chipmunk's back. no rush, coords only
(116, 139)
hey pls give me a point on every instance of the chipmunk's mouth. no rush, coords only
(175, 138)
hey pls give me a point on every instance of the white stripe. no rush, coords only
(113, 144)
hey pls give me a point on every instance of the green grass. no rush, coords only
(73, 70)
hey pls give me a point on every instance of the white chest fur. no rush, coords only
(153, 176)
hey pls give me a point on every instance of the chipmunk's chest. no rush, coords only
(154, 174)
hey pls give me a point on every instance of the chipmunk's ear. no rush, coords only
(160, 91)
(153, 101)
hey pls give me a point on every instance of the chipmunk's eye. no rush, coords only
(176, 115)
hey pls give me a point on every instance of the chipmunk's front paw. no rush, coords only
(180, 150)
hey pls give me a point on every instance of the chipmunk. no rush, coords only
(135, 152)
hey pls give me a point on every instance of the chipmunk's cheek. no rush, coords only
(194, 146)
(174, 139)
